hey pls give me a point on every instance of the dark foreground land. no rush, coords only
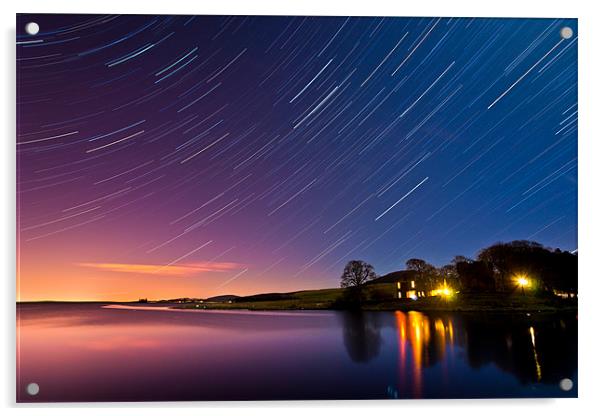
(335, 299)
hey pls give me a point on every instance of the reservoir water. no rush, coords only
(100, 352)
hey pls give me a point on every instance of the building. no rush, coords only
(407, 289)
(403, 284)
(407, 284)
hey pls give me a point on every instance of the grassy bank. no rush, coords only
(374, 295)
(480, 303)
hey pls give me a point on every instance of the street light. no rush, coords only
(445, 291)
(522, 282)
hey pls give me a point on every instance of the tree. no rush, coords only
(426, 272)
(356, 274)
(417, 265)
(546, 269)
(515, 257)
(460, 259)
(476, 276)
(449, 273)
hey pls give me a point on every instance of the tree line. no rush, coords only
(496, 268)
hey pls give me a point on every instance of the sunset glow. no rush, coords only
(192, 156)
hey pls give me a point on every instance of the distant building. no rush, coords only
(407, 284)
(404, 284)
(407, 289)
(418, 288)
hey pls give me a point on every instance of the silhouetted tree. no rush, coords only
(476, 276)
(357, 273)
(461, 259)
(449, 273)
(427, 273)
(548, 269)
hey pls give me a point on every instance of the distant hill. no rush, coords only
(222, 298)
(393, 277)
(263, 297)
(177, 300)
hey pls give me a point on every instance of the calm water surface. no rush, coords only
(88, 352)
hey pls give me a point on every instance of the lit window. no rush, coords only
(413, 284)
(399, 295)
(398, 285)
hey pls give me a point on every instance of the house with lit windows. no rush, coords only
(407, 284)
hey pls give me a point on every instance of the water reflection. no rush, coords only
(535, 350)
(537, 365)
(361, 335)
(427, 341)
(173, 355)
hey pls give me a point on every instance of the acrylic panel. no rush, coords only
(295, 207)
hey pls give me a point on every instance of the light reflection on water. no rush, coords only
(84, 352)
(415, 328)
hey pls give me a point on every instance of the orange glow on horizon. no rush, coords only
(169, 270)
(121, 282)
(111, 267)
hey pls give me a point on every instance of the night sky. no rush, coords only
(167, 156)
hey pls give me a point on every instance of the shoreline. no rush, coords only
(461, 303)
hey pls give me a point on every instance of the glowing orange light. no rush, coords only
(522, 281)
(444, 291)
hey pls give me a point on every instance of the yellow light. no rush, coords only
(532, 332)
(443, 291)
(522, 281)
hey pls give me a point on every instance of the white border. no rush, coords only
(590, 207)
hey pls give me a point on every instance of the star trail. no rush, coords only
(172, 156)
